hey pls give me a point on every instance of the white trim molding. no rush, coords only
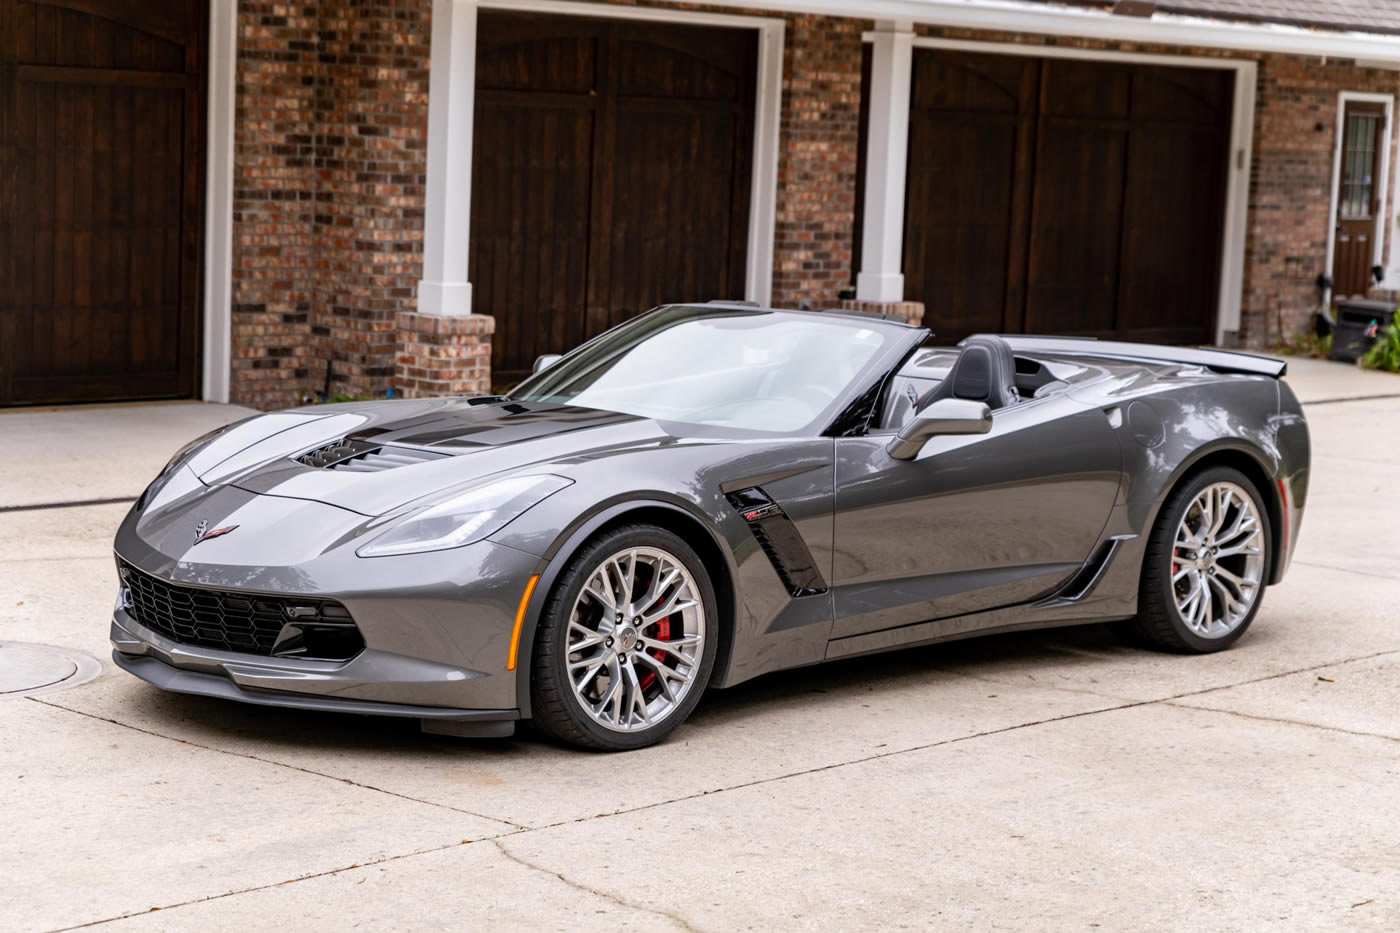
(763, 191)
(1236, 219)
(218, 202)
(1382, 192)
(445, 288)
(1236, 233)
(881, 276)
(1085, 22)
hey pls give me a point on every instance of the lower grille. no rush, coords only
(249, 623)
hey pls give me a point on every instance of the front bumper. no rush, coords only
(436, 626)
(312, 685)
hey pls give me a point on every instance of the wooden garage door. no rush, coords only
(1061, 196)
(611, 174)
(101, 125)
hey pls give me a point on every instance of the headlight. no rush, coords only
(465, 519)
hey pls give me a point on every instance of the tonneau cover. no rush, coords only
(1223, 361)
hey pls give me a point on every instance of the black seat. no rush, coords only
(985, 371)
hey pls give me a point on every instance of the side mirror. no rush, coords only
(945, 416)
(546, 360)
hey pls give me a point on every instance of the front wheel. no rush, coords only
(1206, 565)
(626, 641)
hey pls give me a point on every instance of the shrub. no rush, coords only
(1385, 352)
(1306, 344)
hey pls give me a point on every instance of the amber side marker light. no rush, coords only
(520, 621)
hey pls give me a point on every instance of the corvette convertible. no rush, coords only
(701, 495)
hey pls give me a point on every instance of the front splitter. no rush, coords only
(494, 722)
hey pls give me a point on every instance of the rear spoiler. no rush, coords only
(1222, 361)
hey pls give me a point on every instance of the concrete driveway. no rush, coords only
(1053, 780)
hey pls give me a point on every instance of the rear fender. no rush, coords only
(1259, 465)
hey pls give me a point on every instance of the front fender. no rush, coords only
(564, 543)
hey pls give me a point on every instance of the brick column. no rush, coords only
(443, 355)
(912, 312)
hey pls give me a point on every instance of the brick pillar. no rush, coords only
(440, 355)
(912, 312)
(817, 156)
(370, 143)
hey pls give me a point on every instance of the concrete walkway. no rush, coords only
(1054, 780)
(1325, 381)
(97, 451)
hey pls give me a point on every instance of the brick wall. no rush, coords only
(273, 210)
(329, 162)
(371, 163)
(331, 155)
(1290, 188)
(329, 175)
(818, 145)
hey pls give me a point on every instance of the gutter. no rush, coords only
(1020, 16)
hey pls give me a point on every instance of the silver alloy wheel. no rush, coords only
(635, 640)
(1218, 560)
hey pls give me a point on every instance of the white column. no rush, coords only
(881, 275)
(444, 288)
(218, 211)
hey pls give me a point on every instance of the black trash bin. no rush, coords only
(1359, 322)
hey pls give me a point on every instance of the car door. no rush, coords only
(974, 522)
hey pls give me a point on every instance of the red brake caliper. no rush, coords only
(663, 633)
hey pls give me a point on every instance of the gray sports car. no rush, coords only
(699, 496)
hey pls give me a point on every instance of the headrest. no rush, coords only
(985, 371)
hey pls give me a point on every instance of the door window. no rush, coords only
(1359, 165)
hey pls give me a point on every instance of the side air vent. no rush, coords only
(1087, 577)
(778, 537)
(356, 456)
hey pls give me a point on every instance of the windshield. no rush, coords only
(753, 370)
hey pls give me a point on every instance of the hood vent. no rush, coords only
(356, 456)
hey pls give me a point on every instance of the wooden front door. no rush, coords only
(611, 173)
(101, 198)
(1062, 196)
(1358, 199)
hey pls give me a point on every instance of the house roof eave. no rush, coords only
(1161, 28)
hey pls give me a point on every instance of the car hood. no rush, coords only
(417, 447)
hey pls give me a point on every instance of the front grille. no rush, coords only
(250, 623)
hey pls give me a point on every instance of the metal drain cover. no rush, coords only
(29, 669)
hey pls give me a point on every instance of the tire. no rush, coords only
(585, 648)
(1171, 572)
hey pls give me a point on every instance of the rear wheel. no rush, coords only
(1206, 565)
(626, 641)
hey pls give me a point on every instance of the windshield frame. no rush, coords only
(899, 338)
